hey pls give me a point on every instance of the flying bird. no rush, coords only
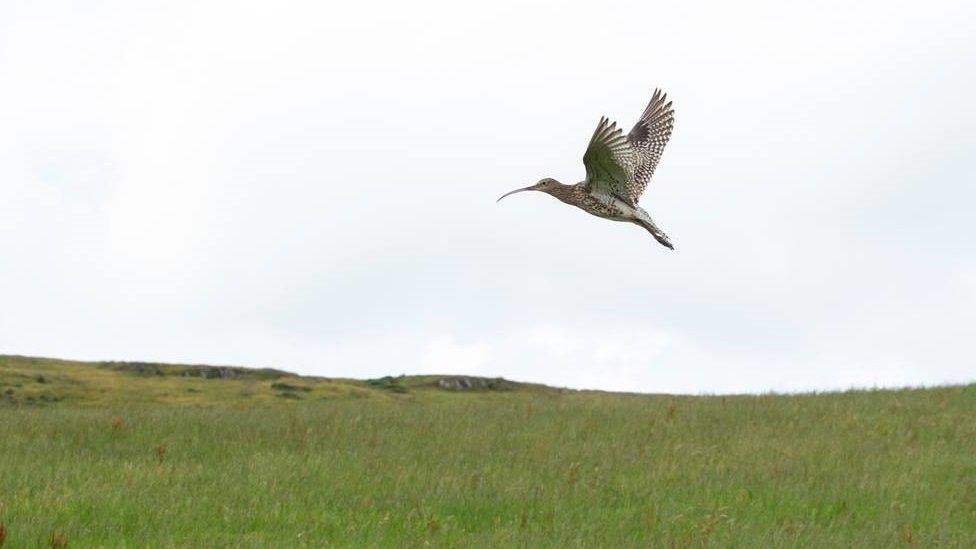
(618, 168)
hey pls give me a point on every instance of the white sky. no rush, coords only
(311, 186)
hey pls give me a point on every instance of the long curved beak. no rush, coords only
(529, 188)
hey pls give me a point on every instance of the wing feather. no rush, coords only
(610, 161)
(647, 139)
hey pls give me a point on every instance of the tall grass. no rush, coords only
(858, 469)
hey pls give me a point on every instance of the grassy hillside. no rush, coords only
(145, 455)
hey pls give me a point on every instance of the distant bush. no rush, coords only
(388, 383)
(205, 372)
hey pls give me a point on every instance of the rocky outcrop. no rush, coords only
(470, 383)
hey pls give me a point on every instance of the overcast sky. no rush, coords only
(311, 186)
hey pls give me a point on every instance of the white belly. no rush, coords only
(609, 207)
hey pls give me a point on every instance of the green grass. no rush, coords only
(117, 457)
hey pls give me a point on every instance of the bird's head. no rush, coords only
(545, 185)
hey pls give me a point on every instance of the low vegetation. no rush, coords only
(144, 455)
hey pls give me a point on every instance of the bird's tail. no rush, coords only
(658, 234)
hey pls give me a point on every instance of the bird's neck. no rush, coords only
(563, 192)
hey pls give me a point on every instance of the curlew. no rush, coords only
(618, 168)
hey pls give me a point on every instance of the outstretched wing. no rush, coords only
(610, 161)
(648, 138)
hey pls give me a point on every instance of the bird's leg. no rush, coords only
(658, 234)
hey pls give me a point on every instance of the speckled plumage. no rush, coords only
(618, 168)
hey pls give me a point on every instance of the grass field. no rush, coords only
(143, 455)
